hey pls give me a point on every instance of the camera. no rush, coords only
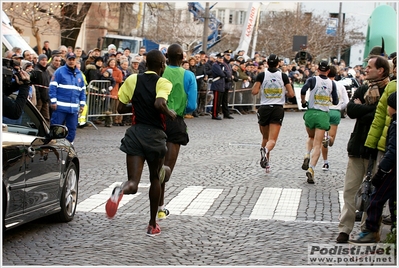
(11, 69)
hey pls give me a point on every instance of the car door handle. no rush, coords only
(30, 152)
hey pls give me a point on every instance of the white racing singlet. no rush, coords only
(272, 89)
(320, 95)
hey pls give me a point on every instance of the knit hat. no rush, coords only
(42, 56)
(392, 100)
(26, 65)
(112, 46)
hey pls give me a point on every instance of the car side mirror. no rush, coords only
(58, 131)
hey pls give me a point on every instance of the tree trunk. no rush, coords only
(70, 22)
(36, 34)
(69, 36)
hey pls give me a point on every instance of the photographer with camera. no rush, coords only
(303, 57)
(15, 89)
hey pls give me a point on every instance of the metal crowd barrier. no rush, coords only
(100, 102)
(243, 97)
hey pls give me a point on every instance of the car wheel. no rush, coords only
(69, 197)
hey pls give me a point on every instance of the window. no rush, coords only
(222, 15)
(262, 17)
(241, 17)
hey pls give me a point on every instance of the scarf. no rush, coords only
(372, 95)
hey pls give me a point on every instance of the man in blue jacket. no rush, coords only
(67, 95)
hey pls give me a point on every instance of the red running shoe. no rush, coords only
(151, 231)
(113, 202)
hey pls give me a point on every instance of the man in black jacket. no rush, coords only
(41, 80)
(361, 107)
(227, 87)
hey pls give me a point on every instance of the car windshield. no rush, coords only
(28, 123)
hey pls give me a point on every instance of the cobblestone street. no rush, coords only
(213, 196)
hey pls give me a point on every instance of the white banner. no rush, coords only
(248, 27)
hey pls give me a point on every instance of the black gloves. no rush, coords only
(378, 178)
(305, 104)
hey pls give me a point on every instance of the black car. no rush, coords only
(40, 170)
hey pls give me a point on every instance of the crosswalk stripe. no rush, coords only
(96, 203)
(203, 202)
(277, 203)
(266, 204)
(178, 204)
(288, 205)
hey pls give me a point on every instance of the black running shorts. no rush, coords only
(144, 140)
(176, 131)
(270, 114)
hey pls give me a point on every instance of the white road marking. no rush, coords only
(203, 202)
(266, 204)
(277, 203)
(96, 203)
(178, 204)
(273, 203)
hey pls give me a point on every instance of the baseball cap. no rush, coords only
(98, 59)
(112, 46)
(17, 56)
(96, 49)
(70, 55)
(272, 58)
(55, 52)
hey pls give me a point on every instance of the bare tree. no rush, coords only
(165, 24)
(31, 15)
(40, 15)
(289, 24)
(70, 19)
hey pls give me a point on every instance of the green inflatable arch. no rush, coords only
(382, 24)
